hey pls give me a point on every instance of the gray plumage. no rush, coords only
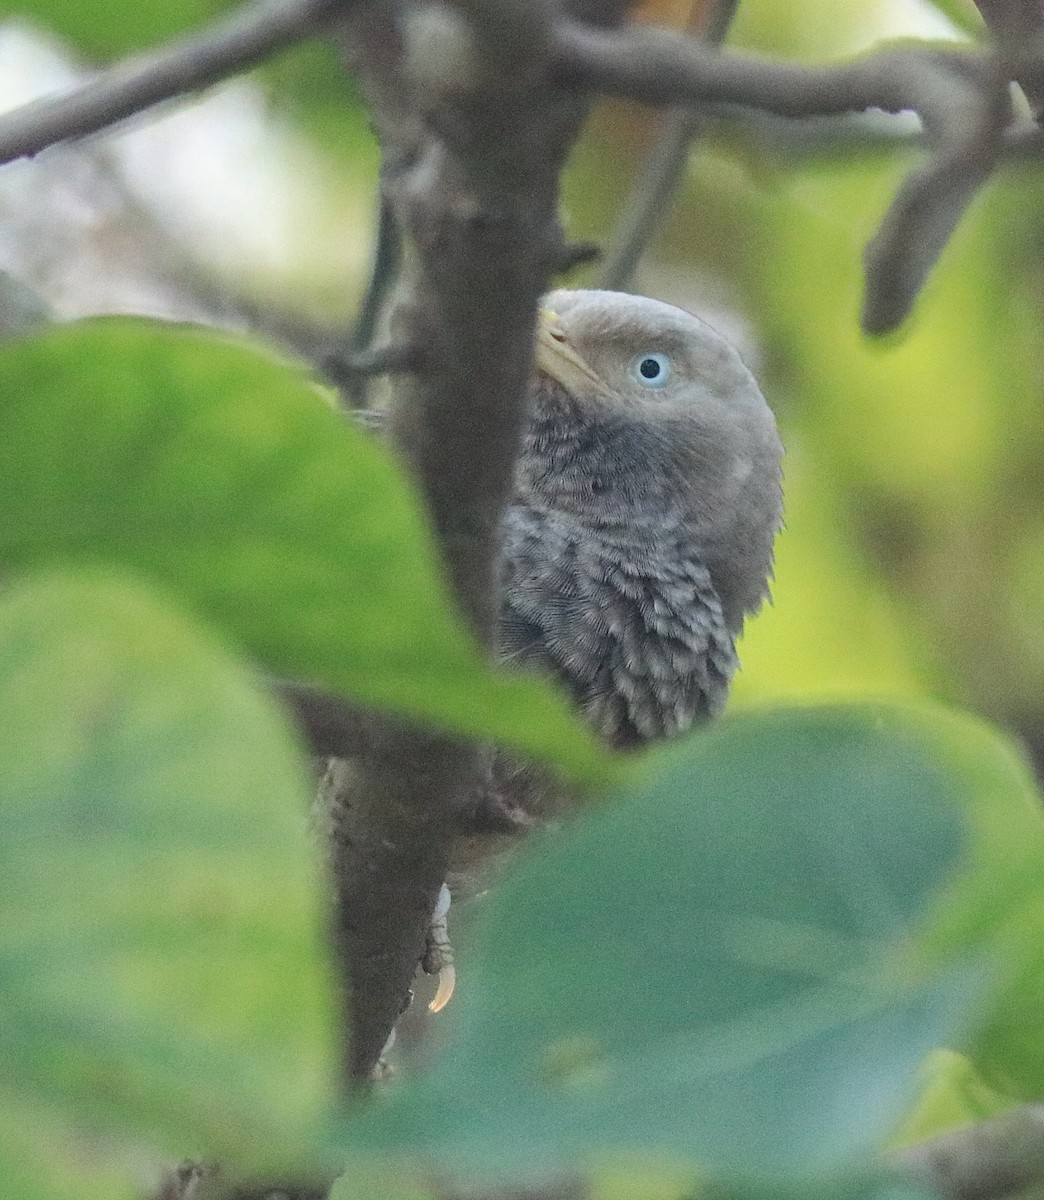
(647, 500)
(641, 532)
(639, 537)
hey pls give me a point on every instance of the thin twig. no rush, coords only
(387, 256)
(658, 67)
(934, 197)
(664, 167)
(661, 175)
(348, 372)
(577, 254)
(962, 98)
(245, 38)
(792, 141)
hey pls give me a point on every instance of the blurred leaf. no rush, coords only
(720, 966)
(997, 905)
(873, 1184)
(962, 14)
(952, 1095)
(831, 628)
(823, 30)
(644, 1180)
(642, 1177)
(368, 1179)
(219, 473)
(161, 974)
(1006, 1048)
(105, 29)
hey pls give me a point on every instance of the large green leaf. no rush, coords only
(202, 464)
(162, 979)
(721, 966)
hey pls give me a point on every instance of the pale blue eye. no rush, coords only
(651, 370)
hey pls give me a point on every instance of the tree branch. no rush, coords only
(473, 142)
(664, 167)
(387, 257)
(1013, 24)
(242, 40)
(329, 725)
(962, 98)
(477, 103)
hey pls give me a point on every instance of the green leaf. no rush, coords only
(204, 465)
(642, 1178)
(963, 15)
(104, 29)
(161, 970)
(719, 967)
(381, 1180)
(997, 906)
(952, 1095)
(877, 1184)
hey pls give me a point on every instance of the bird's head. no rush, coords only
(638, 354)
(668, 417)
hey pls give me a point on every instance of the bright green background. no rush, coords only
(179, 510)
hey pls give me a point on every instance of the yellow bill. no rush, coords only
(556, 358)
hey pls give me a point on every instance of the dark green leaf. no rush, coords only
(197, 462)
(862, 1185)
(161, 970)
(717, 967)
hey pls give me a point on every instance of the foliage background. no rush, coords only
(912, 559)
(912, 564)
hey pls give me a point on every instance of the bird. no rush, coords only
(647, 499)
(638, 540)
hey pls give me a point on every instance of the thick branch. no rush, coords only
(329, 725)
(242, 40)
(1014, 24)
(473, 142)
